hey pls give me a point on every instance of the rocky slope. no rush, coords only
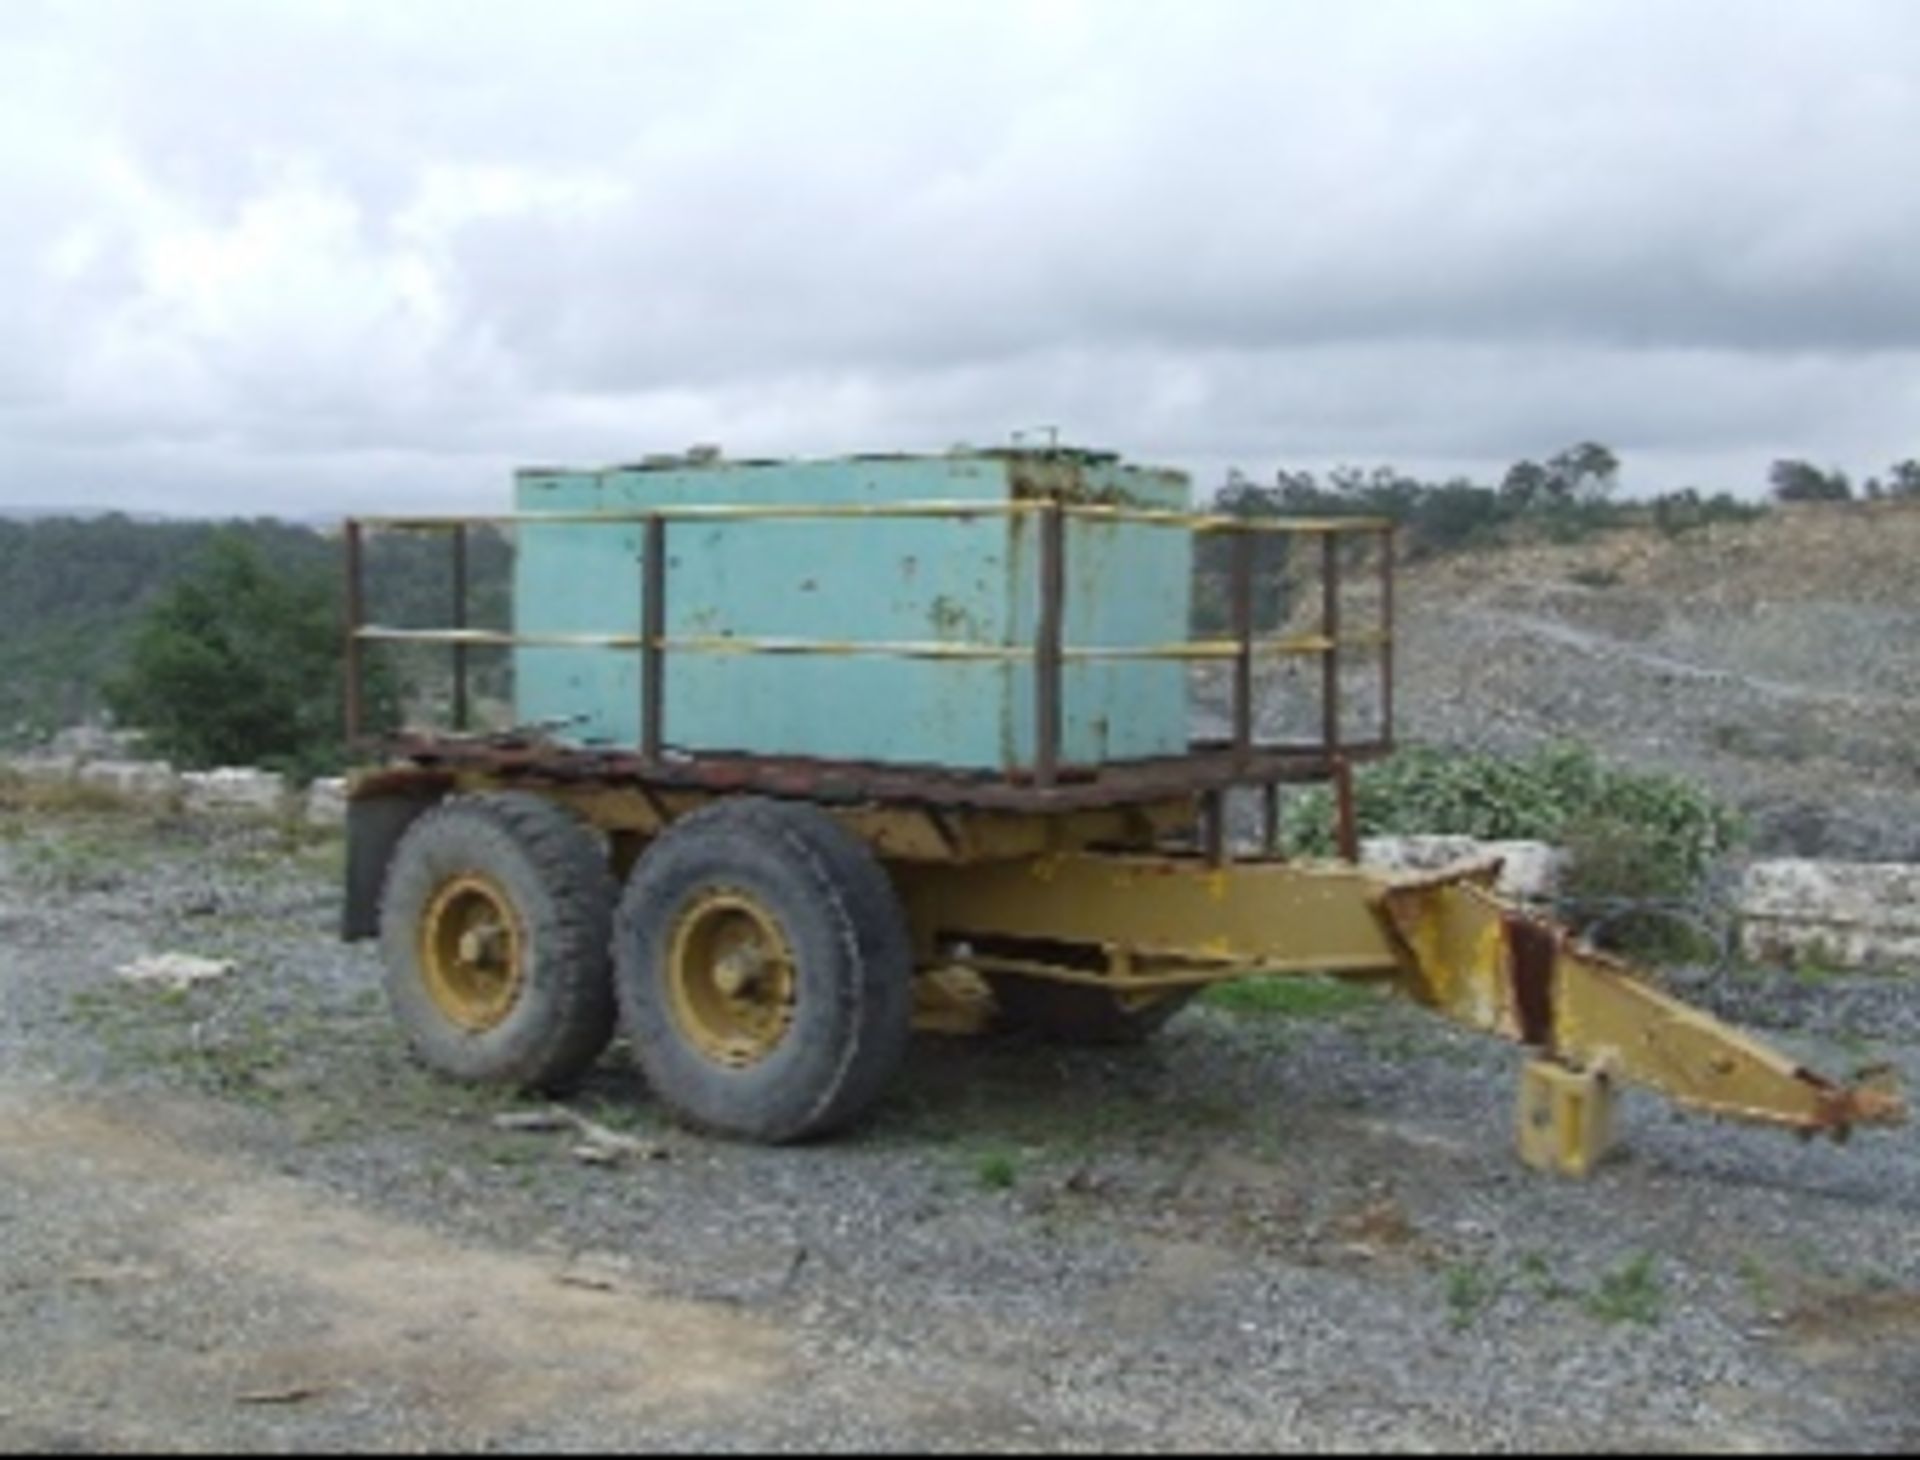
(1776, 661)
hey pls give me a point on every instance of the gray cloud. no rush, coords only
(310, 255)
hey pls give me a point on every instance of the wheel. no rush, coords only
(493, 927)
(763, 970)
(1075, 1013)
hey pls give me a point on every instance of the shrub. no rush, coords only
(1632, 834)
(239, 663)
(1683, 511)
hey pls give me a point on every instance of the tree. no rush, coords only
(1903, 479)
(240, 663)
(1583, 473)
(1524, 485)
(1243, 497)
(1802, 481)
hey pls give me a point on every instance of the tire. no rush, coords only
(1067, 1014)
(797, 912)
(530, 1004)
(1076, 1013)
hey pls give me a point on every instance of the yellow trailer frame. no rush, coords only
(1443, 940)
(1144, 925)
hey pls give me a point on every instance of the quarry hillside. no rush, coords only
(1776, 661)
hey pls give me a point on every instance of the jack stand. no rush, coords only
(1566, 1118)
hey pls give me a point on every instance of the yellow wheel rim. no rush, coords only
(472, 952)
(731, 978)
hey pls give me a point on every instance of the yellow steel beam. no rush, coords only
(1225, 522)
(1444, 940)
(1482, 964)
(1269, 915)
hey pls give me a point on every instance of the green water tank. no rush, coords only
(967, 580)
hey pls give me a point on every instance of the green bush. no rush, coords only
(1631, 834)
(240, 663)
(1683, 511)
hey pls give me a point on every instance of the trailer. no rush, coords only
(805, 755)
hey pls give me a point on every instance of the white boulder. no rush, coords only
(175, 971)
(326, 803)
(1842, 915)
(145, 780)
(1530, 871)
(234, 788)
(45, 770)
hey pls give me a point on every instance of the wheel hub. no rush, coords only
(472, 955)
(483, 945)
(731, 978)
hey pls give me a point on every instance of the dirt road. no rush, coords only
(184, 1299)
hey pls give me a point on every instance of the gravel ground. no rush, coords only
(239, 1217)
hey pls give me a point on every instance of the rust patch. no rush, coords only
(399, 781)
(1873, 1099)
(1060, 474)
(1531, 949)
(1112, 783)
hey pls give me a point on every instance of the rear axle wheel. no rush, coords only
(763, 970)
(493, 926)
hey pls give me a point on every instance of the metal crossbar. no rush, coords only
(960, 511)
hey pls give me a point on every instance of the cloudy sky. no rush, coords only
(304, 257)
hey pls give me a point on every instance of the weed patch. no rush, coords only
(217, 1046)
(1537, 1272)
(1759, 1284)
(1472, 1287)
(1630, 1293)
(997, 1170)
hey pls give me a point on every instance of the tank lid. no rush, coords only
(1079, 455)
(707, 455)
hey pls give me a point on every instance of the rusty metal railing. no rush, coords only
(1048, 653)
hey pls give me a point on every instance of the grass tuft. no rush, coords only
(1292, 996)
(1630, 1293)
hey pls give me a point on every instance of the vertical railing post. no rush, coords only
(653, 632)
(1213, 826)
(460, 715)
(1330, 631)
(1242, 584)
(355, 614)
(1046, 649)
(1346, 827)
(1386, 636)
(1270, 819)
